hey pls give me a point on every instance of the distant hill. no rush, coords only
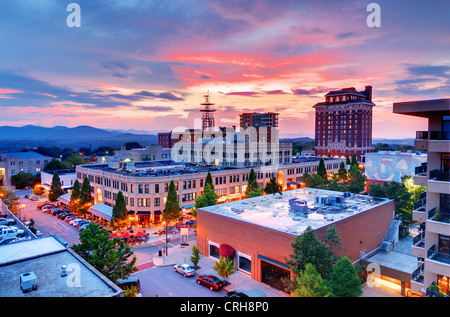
(30, 136)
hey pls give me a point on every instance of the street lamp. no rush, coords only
(165, 223)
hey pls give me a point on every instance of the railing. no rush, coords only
(421, 135)
(433, 254)
(420, 205)
(440, 175)
(433, 135)
(417, 275)
(420, 170)
(440, 135)
(419, 240)
(434, 292)
(436, 215)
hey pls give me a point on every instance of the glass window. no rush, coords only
(245, 264)
(214, 251)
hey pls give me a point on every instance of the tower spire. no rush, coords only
(207, 113)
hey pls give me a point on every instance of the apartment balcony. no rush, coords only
(439, 182)
(418, 247)
(433, 141)
(438, 222)
(417, 279)
(420, 175)
(419, 212)
(437, 262)
(421, 141)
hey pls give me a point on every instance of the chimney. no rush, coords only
(368, 92)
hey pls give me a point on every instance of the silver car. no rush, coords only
(185, 269)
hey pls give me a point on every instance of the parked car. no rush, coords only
(8, 241)
(185, 269)
(191, 223)
(235, 294)
(55, 212)
(74, 221)
(69, 218)
(131, 281)
(82, 222)
(7, 221)
(11, 232)
(210, 281)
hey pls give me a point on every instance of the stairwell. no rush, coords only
(391, 236)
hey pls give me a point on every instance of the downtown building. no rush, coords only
(343, 123)
(432, 245)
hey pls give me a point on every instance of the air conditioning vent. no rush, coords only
(28, 282)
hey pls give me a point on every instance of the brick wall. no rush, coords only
(364, 231)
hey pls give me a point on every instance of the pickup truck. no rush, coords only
(11, 232)
(7, 221)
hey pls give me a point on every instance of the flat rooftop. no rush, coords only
(423, 108)
(169, 167)
(295, 210)
(44, 257)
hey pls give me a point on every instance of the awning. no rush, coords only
(102, 210)
(131, 212)
(157, 212)
(269, 260)
(143, 213)
(189, 206)
(64, 199)
(226, 250)
(293, 184)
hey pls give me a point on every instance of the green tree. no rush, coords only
(10, 200)
(314, 180)
(119, 212)
(307, 248)
(333, 238)
(172, 208)
(55, 188)
(195, 258)
(103, 253)
(73, 160)
(22, 180)
(55, 165)
(356, 180)
(342, 172)
(354, 160)
(85, 196)
(311, 284)
(347, 160)
(75, 196)
(224, 267)
(321, 169)
(344, 280)
(252, 184)
(209, 196)
(272, 187)
(376, 190)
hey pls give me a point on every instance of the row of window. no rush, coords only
(30, 163)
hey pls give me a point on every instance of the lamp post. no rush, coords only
(165, 223)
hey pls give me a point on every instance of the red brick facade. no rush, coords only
(362, 232)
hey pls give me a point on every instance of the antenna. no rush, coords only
(207, 113)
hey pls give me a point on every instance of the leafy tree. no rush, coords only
(103, 253)
(22, 180)
(342, 172)
(377, 190)
(131, 291)
(347, 160)
(252, 184)
(195, 258)
(38, 190)
(335, 185)
(321, 169)
(333, 238)
(272, 187)
(314, 180)
(356, 180)
(344, 280)
(132, 145)
(311, 284)
(85, 151)
(307, 248)
(85, 196)
(354, 160)
(119, 212)
(73, 160)
(55, 165)
(172, 208)
(255, 193)
(75, 196)
(224, 267)
(55, 188)
(209, 196)
(10, 200)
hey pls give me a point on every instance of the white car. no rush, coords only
(74, 220)
(7, 221)
(185, 269)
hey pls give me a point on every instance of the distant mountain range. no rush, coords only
(30, 136)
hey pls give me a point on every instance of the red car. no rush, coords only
(210, 281)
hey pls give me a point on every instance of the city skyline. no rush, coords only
(145, 65)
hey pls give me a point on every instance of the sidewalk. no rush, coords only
(237, 282)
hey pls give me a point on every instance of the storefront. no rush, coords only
(273, 272)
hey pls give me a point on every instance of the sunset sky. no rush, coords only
(145, 65)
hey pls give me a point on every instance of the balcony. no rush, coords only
(439, 135)
(421, 141)
(418, 247)
(440, 175)
(417, 275)
(419, 212)
(439, 182)
(435, 255)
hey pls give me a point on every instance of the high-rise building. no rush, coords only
(260, 127)
(432, 244)
(344, 123)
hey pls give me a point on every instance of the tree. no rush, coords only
(342, 172)
(132, 145)
(55, 188)
(314, 180)
(307, 248)
(32, 226)
(209, 196)
(376, 190)
(344, 280)
(252, 185)
(195, 258)
(103, 254)
(73, 160)
(10, 200)
(55, 165)
(120, 212)
(354, 160)
(272, 187)
(75, 196)
(356, 180)
(335, 185)
(347, 160)
(321, 169)
(85, 196)
(333, 238)
(38, 190)
(224, 267)
(172, 208)
(311, 284)
(22, 180)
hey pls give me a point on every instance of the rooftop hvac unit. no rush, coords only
(28, 282)
(323, 200)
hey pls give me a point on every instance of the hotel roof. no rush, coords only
(293, 211)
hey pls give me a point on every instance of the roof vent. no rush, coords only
(63, 270)
(28, 282)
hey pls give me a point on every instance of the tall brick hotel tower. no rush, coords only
(344, 123)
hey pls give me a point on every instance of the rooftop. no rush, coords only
(25, 155)
(295, 210)
(423, 108)
(44, 257)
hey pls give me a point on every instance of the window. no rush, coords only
(157, 202)
(214, 251)
(245, 263)
(156, 188)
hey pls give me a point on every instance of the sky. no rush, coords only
(145, 65)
